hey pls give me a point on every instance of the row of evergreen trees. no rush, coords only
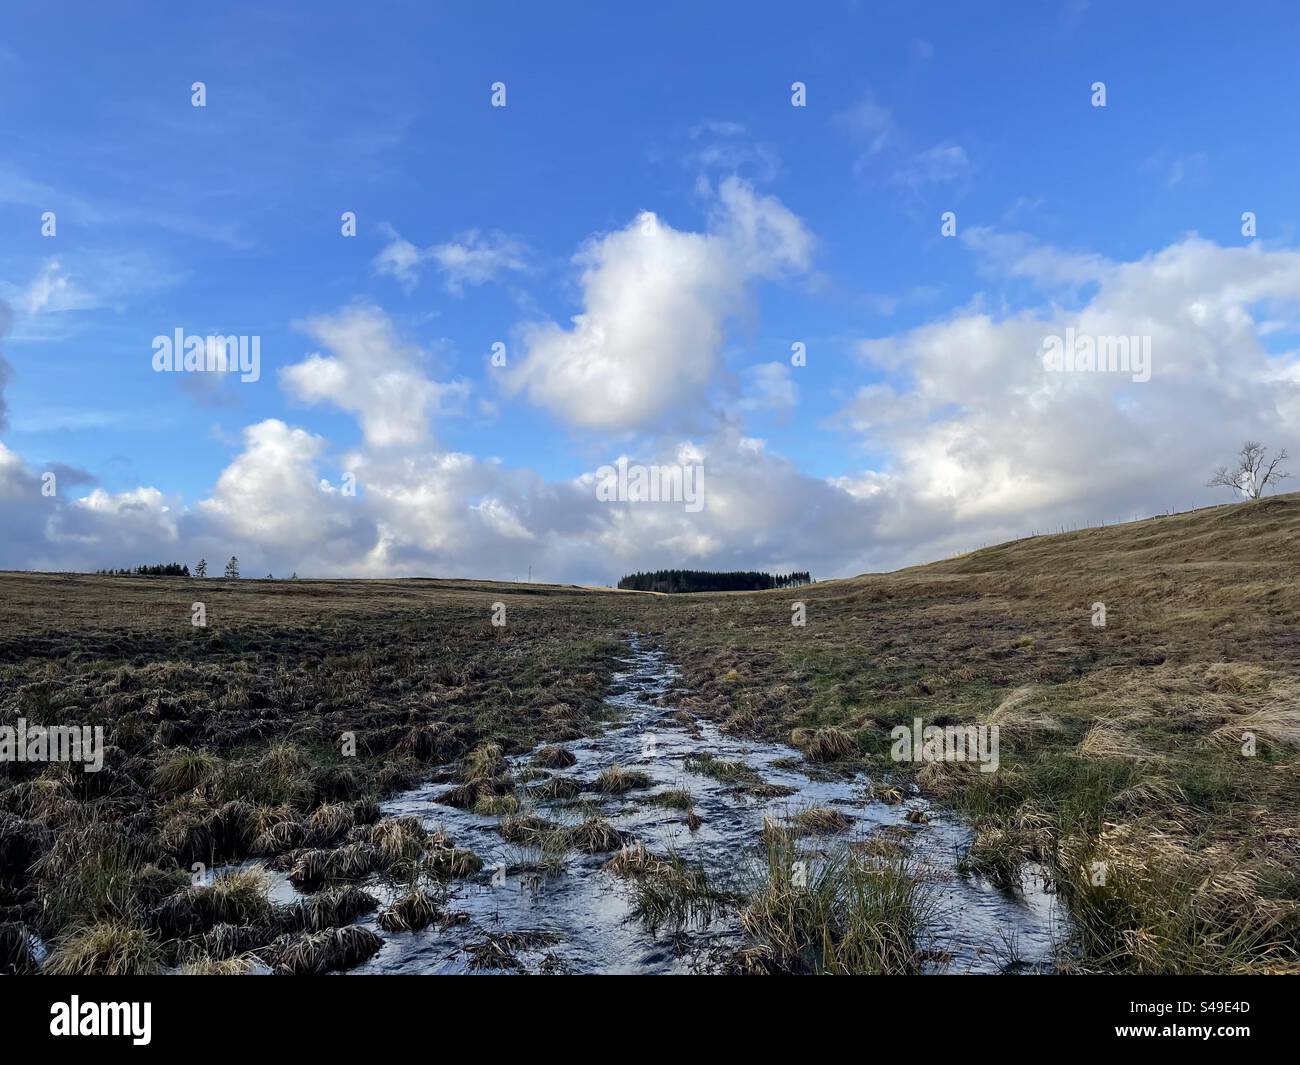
(163, 569)
(694, 580)
(176, 569)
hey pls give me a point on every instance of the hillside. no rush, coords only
(1161, 747)
(1150, 766)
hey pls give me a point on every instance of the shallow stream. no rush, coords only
(583, 913)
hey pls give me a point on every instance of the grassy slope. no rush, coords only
(1121, 746)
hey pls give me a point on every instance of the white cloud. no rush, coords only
(944, 164)
(472, 258)
(728, 148)
(997, 445)
(769, 386)
(647, 344)
(372, 373)
(52, 290)
(889, 155)
(971, 441)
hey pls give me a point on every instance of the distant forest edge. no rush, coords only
(694, 580)
(163, 569)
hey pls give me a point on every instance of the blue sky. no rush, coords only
(226, 219)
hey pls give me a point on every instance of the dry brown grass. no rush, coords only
(1140, 726)
(1124, 741)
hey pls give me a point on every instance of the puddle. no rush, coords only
(578, 918)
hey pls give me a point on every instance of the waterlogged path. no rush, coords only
(579, 918)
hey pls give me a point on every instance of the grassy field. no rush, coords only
(1150, 764)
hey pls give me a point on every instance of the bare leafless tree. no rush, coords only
(1250, 476)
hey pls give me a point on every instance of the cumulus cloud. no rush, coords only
(995, 445)
(471, 258)
(647, 344)
(372, 373)
(60, 530)
(966, 438)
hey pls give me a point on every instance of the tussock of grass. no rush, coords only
(668, 891)
(432, 742)
(398, 839)
(554, 757)
(186, 770)
(673, 798)
(224, 941)
(595, 836)
(325, 951)
(526, 827)
(241, 965)
(736, 773)
(830, 744)
(484, 762)
(413, 911)
(633, 859)
(496, 805)
(109, 948)
(1147, 909)
(999, 855)
(314, 867)
(87, 873)
(841, 914)
(557, 789)
(329, 823)
(815, 821)
(277, 834)
(330, 908)
(451, 863)
(499, 950)
(617, 780)
(237, 897)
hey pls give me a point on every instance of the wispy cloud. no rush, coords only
(472, 258)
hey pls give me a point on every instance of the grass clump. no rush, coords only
(484, 762)
(841, 914)
(325, 951)
(596, 836)
(451, 863)
(557, 789)
(107, 948)
(185, 770)
(554, 757)
(830, 744)
(330, 908)
(673, 799)
(490, 805)
(736, 774)
(618, 780)
(667, 891)
(413, 911)
(241, 965)
(815, 821)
